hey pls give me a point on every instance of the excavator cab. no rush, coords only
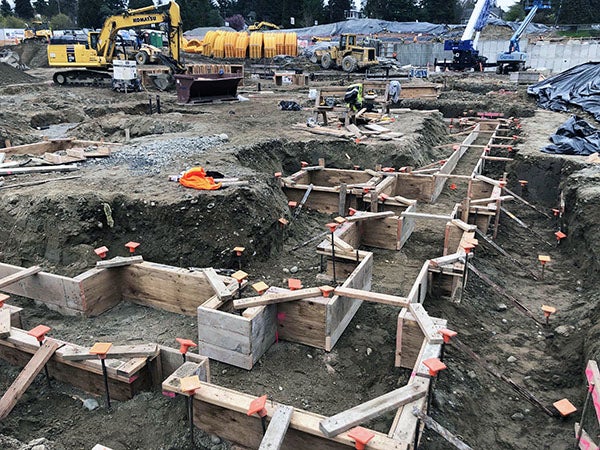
(93, 37)
(347, 40)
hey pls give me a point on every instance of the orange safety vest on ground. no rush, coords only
(196, 178)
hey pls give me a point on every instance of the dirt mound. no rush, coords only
(10, 75)
(33, 54)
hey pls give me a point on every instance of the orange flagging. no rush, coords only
(196, 178)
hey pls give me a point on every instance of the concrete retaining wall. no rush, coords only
(553, 56)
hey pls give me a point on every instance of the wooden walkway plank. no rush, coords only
(278, 426)
(369, 215)
(269, 299)
(352, 417)
(19, 276)
(26, 377)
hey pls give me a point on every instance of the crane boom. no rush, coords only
(478, 19)
(514, 59)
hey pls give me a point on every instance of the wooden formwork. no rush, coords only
(240, 340)
(127, 376)
(97, 290)
(333, 190)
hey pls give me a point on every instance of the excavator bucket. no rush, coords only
(203, 88)
(162, 81)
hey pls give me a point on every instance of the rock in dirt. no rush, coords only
(511, 359)
(214, 439)
(564, 330)
(294, 269)
(90, 404)
(472, 375)
(517, 416)
(501, 307)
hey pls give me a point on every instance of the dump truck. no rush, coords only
(347, 55)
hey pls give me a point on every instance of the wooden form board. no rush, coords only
(26, 377)
(410, 338)
(334, 425)
(223, 412)
(165, 287)
(418, 291)
(341, 310)
(335, 177)
(381, 233)
(278, 426)
(57, 292)
(326, 202)
(236, 340)
(53, 145)
(100, 290)
(125, 379)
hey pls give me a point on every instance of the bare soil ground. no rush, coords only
(59, 224)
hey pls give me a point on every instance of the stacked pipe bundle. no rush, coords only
(241, 45)
(270, 45)
(219, 46)
(208, 42)
(291, 44)
(256, 45)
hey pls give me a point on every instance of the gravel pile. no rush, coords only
(151, 157)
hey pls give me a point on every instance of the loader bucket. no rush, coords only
(203, 88)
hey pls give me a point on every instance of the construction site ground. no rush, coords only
(128, 197)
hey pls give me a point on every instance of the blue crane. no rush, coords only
(464, 52)
(514, 59)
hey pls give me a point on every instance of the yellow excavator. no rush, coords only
(89, 61)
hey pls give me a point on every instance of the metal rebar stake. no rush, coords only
(46, 370)
(333, 256)
(585, 408)
(105, 376)
(191, 419)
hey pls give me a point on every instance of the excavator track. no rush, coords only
(83, 78)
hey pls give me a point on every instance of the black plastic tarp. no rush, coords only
(574, 137)
(580, 85)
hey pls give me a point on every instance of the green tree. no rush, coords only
(61, 22)
(23, 9)
(515, 12)
(88, 15)
(198, 13)
(395, 10)
(336, 8)
(439, 11)
(14, 22)
(312, 10)
(5, 9)
(135, 4)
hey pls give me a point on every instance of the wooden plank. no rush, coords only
(13, 278)
(278, 426)
(26, 377)
(369, 215)
(427, 326)
(116, 351)
(303, 321)
(264, 330)
(39, 169)
(217, 284)
(223, 411)
(56, 291)
(383, 233)
(374, 297)
(119, 261)
(340, 244)
(269, 299)
(165, 287)
(371, 409)
(100, 290)
(221, 354)
(5, 323)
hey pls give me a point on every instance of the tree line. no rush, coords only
(284, 13)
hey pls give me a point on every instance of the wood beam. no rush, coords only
(116, 351)
(6, 281)
(352, 417)
(119, 261)
(427, 326)
(269, 299)
(217, 284)
(369, 215)
(5, 323)
(278, 426)
(26, 377)
(303, 423)
(374, 297)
